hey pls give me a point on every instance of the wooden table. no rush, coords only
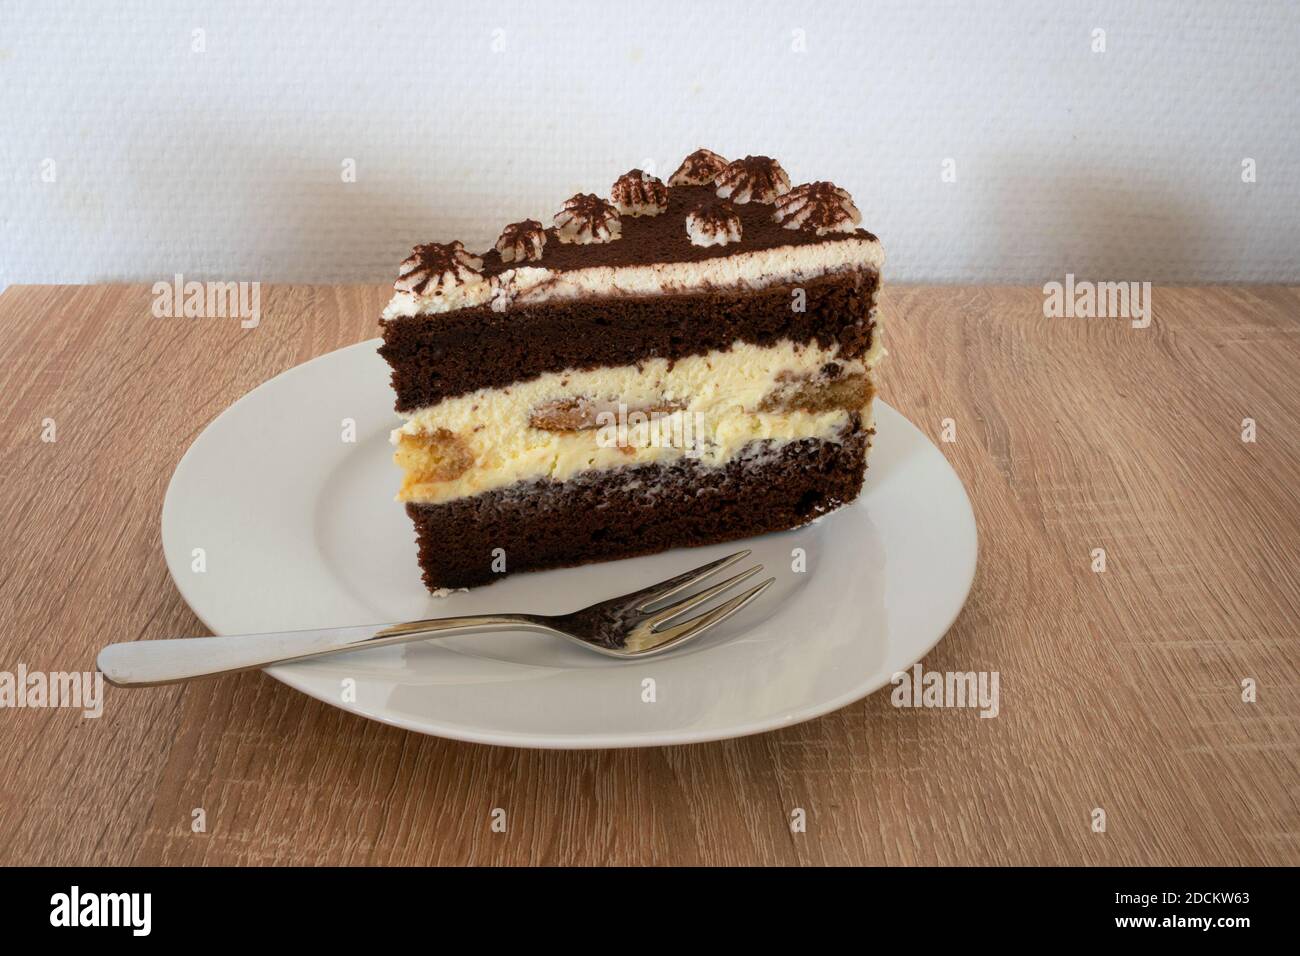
(1120, 690)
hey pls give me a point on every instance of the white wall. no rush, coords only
(226, 163)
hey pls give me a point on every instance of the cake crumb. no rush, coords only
(447, 592)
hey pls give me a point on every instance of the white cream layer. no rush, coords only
(742, 270)
(721, 393)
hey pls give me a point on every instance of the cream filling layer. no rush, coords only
(716, 414)
(742, 270)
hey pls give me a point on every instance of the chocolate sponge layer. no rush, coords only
(440, 356)
(637, 510)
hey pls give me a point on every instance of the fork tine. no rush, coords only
(675, 585)
(702, 622)
(695, 600)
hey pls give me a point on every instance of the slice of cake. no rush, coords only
(676, 365)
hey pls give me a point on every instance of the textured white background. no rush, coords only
(226, 163)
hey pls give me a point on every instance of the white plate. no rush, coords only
(298, 529)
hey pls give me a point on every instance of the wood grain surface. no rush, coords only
(1120, 690)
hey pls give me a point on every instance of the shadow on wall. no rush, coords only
(303, 217)
(360, 231)
(1101, 225)
(1014, 221)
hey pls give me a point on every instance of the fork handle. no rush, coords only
(148, 663)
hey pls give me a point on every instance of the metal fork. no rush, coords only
(627, 627)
